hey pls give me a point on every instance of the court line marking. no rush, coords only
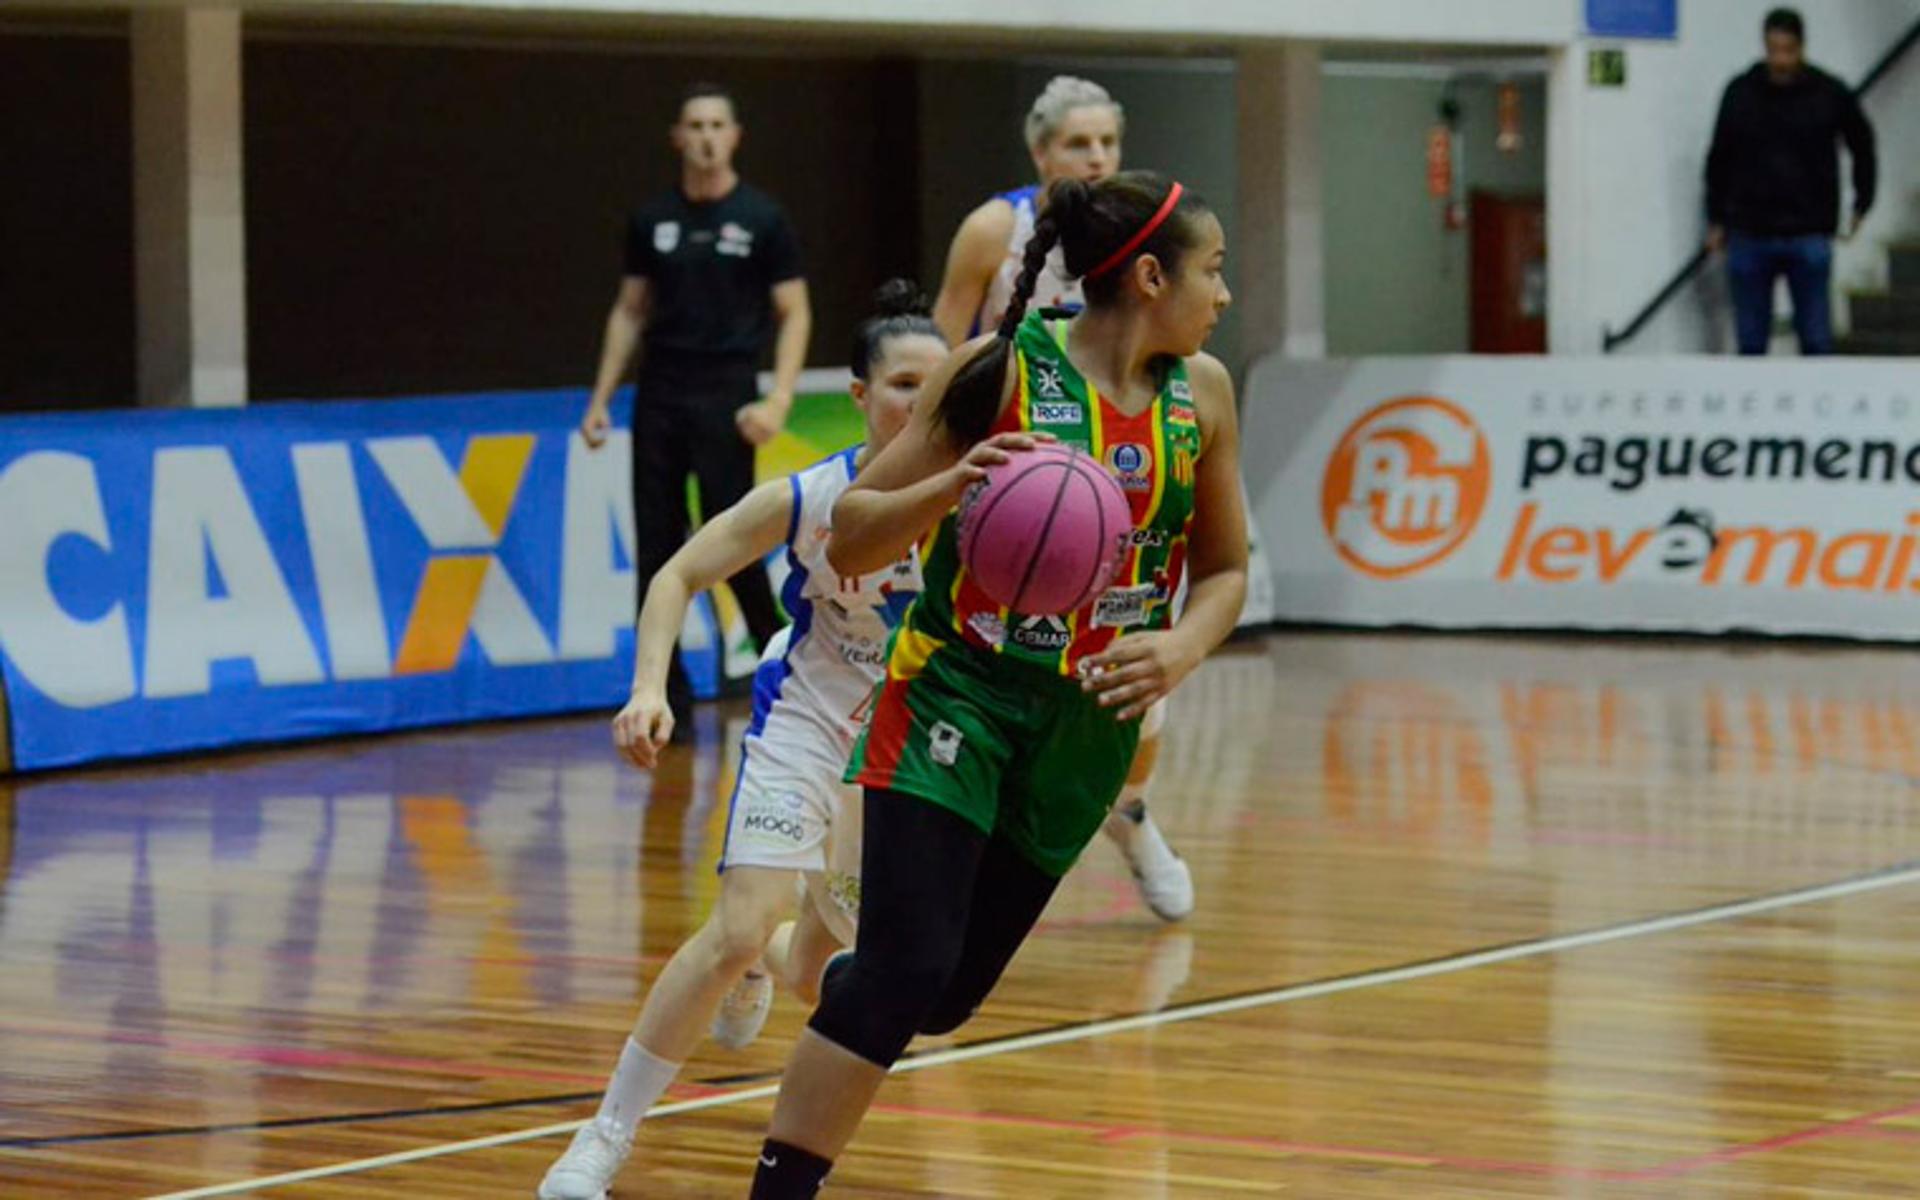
(1889, 877)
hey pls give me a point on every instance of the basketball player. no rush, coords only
(1074, 131)
(987, 763)
(789, 812)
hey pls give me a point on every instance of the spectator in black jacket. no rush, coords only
(1773, 185)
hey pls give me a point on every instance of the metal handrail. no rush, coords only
(1609, 340)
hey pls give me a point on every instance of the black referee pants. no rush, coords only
(683, 426)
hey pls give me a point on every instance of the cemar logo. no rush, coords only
(666, 236)
(1405, 486)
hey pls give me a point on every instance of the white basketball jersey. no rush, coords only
(1051, 290)
(821, 669)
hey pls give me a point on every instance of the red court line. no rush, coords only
(1886, 1133)
(1852, 1126)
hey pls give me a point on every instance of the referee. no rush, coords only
(712, 268)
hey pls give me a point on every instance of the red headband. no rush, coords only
(1139, 239)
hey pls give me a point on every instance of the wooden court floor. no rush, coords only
(1477, 918)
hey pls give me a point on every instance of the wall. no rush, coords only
(1626, 166)
(451, 217)
(1398, 282)
(66, 221)
(1181, 119)
(1508, 22)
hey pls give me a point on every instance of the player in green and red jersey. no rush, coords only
(999, 740)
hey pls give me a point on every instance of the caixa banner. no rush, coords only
(1693, 494)
(172, 580)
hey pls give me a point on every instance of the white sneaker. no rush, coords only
(743, 1013)
(1163, 877)
(586, 1170)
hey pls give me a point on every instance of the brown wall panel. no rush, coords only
(427, 218)
(66, 222)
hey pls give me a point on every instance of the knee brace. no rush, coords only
(874, 1011)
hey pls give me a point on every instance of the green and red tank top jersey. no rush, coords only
(1152, 454)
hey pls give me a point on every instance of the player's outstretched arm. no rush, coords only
(737, 538)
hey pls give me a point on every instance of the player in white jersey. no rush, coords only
(790, 817)
(1073, 131)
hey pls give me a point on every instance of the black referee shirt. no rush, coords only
(710, 269)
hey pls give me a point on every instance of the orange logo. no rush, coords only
(1405, 486)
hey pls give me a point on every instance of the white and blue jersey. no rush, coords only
(790, 810)
(1053, 289)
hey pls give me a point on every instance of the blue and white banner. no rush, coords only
(174, 580)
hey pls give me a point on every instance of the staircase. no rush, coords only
(1888, 323)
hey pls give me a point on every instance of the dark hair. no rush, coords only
(1786, 20)
(1090, 222)
(899, 309)
(706, 91)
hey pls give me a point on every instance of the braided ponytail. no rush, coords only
(972, 398)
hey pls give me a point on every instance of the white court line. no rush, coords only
(1892, 877)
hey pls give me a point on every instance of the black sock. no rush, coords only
(788, 1173)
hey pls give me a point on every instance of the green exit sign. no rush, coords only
(1607, 68)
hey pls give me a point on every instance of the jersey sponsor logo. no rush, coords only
(1180, 389)
(1121, 607)
(1059, 412)
(943, 743)
(1152, 539)
(990, 627)
(1042, 633)
(1132, 464)
(1048, 383)
(735, 240)
(776, 822)
(666, 236)
(868, 656)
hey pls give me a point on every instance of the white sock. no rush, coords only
(641, 1079)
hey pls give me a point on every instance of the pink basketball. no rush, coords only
(1044, 533)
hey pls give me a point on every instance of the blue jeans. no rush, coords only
(1754, 262)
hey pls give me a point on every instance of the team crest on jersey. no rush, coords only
(1132, 464)
(1058, 412)
(1180, 389)
(943, 743)
(1048, 383)
(666, 236)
